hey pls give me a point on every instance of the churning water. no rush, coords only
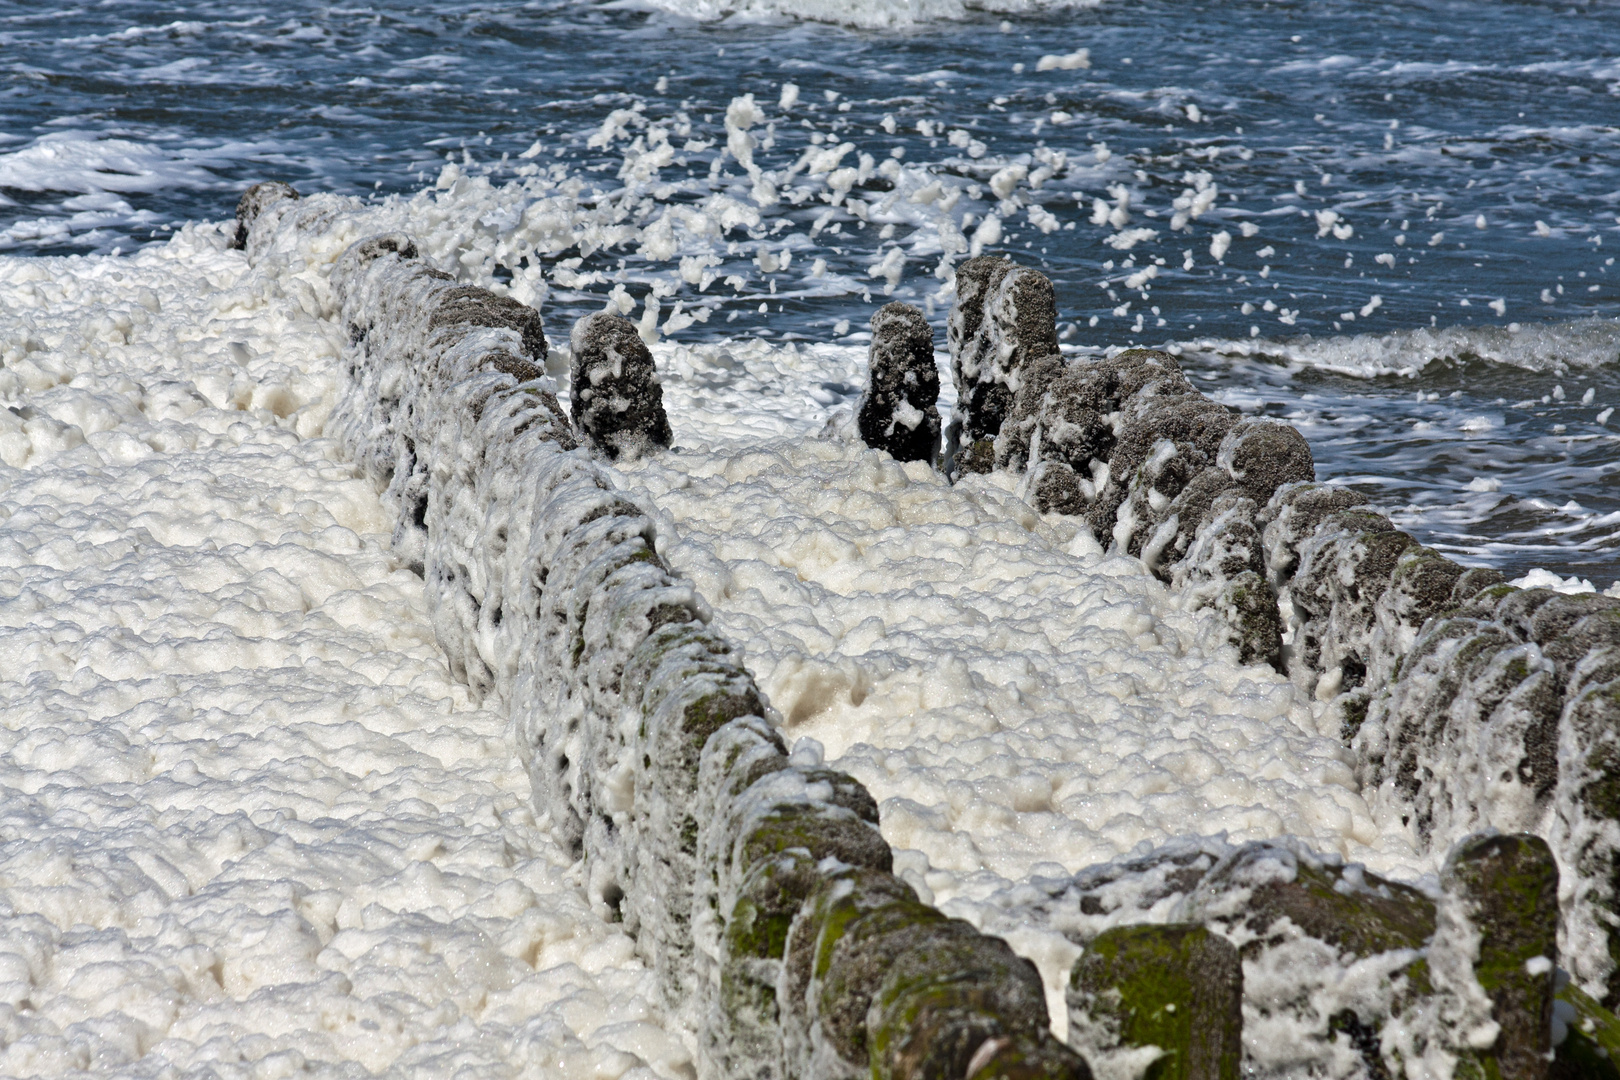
(1392, 225)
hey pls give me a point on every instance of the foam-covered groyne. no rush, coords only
(755, 881)
(1470, 705)
(757, 886)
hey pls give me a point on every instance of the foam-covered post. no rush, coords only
(1263, 455)
(363, 253)
(1178, 987)
(1344, 569)
(1292, 515)
(1005, 316)
(470, 305)
(252, 204)
(952, 1001)
(897, 411)
(1508, 888)
(617, 401)
(1586, 830)
(1263, 892)
(976, 281)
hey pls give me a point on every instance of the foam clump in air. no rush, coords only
(617, 401)
(897, 411)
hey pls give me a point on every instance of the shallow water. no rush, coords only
(1438, 158)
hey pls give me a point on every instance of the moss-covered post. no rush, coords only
(1508, 886)
(1178, 988)
(952, 1002)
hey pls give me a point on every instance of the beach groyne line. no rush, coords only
(1470, 705)
(756, 883)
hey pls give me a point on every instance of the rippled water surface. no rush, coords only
(1393, 225)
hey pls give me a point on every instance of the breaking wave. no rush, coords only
(1552, 348)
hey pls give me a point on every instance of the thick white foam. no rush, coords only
(249, 823)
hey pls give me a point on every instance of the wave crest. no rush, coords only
(1548, 347)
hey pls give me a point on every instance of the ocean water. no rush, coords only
(1393, 226)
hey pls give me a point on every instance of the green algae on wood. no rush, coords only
(1508, 886)
(1026, 1056)
(1178, 988)
(1590, 1046)
(1249, 605)
(837, 954)
(948, 989)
